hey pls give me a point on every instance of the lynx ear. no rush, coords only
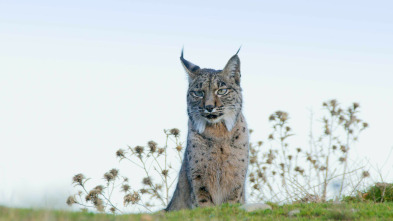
(189, 67)
(232, 69)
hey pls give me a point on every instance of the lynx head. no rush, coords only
(213, 96)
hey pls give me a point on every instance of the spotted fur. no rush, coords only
(216, 157)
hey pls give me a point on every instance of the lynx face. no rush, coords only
(213, 96)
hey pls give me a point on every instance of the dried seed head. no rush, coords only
(78, 179)
(112, 209)
(161, 150)
(125, 188)
(298, 149)
(290, 157)
(282, 165)
(327, 130)
(253, 159)
(260, 174)
(152, 145)
(284, 116)
(256, 186)
(355, 105)
(164, 172)
(108, 177)
(175, 132)
(252, 179)
(365, 124)
(342, 159)
(98, 189)
(334, 147)
(341, 119)
(71, 200)
(143, 191)
(98, 203)
(287, 128)
(365, 174)
(125, 179)
(343, 149)
(333, 103)
(114, 172)
(271, 137)
(260, 143)
(272, 117)
(179, 148)
(88, 197)
(138, 150)
(147, 181)
(322, 168)
(120, 153)
(274, 172)
(131, 198)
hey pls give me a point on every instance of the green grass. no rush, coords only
(345, 211)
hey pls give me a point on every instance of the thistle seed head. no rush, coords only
(120, 153)
(125, 187)
(175, 132)
(179, 148)
(78, 179)
(108, 176)
(147, 181)
(139, 150)
(152, 145)
(114, 172)
(71, 200)
(161, 151)
(365, 174)
(131, 198)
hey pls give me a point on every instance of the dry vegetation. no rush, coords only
(278, 172)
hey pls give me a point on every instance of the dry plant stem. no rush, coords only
(139, 204)
(133, 161)
(84, 205)
(151, 183)
(108, 201)
(327, 160)
(345, 165)
(166, 177)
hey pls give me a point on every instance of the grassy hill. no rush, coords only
(345, 211)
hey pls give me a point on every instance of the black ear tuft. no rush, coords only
(188, 66)
(237, 50)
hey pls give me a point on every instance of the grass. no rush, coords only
(321, 211)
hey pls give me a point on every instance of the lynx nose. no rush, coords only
(209, 108)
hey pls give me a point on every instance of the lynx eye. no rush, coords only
(197, 93)
(223, 91)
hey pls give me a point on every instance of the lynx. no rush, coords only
(215, 161)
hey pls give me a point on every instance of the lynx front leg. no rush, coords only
(237, 195)
(201, 195)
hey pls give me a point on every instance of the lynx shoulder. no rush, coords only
(216, 157)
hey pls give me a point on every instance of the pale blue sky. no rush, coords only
(80, 79)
